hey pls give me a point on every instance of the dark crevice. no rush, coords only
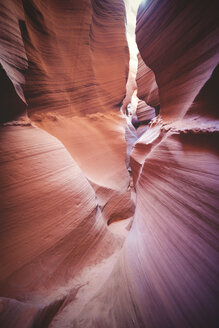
(12, 107)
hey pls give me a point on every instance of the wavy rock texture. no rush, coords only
(166, 273)
(179, 42)
(144, 112)
(51, 223)
(146, 83)
(63, 57)
(74, 70)
(39, 159)
(142, 148)
(97, 143)
(70, 53)
(12, 56)
(61, 265)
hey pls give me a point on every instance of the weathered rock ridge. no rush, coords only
(189, 56)
(83, 244)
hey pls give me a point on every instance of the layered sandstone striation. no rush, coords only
(166, 275)
(146, 83)
(13, 57)
(179, 42)
(72, 255)
(51, 224)
(73, 71)
(61, 58)
(144, 112)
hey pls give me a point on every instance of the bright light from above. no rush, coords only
(131, 12)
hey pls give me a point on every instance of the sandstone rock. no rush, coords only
(168, 263)
(144, 112)
(13, 57)
(147, 85)
(62, 263)
(51, 225)
(179, 42)
(73, 71)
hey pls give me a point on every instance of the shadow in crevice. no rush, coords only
(12, 107)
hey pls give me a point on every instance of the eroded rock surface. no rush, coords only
(68, 54)
(71, 253)
(146, 83)
(179, 42)
(62, 59)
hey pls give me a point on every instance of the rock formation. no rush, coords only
(144, 112)
(72, 51)
(188, 59)
(84, 242)
(147, 85)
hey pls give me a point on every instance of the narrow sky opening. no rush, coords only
(131, 13)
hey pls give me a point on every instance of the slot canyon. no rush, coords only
(109, 163)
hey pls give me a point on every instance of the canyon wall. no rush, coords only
(182, 53)
(166, 275)
(71, 50)
(64, 71)
(63, 174)
(146, 83)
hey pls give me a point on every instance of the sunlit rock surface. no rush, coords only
(72, 51)
(51, 223)
(74, 71)
(63, 58)
(166, 275)
(72, 255)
